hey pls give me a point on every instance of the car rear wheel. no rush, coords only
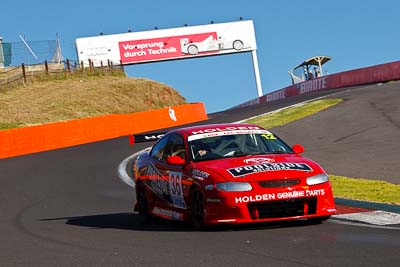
(197, 209)
(238, 45)
(142, 202)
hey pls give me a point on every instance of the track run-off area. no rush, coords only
(69, 207)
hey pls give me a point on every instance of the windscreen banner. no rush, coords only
(168, 44)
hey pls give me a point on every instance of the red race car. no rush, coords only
(228, 173)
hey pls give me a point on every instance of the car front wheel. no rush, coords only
(197, 209)
(193, 50)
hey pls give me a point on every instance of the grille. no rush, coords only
(282, 208)
(279, 183)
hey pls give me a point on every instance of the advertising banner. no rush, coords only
(368, 75)
(168, 44)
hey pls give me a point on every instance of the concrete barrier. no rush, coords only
(20, 141)
(374, 74)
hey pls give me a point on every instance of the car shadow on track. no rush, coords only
(133, 221)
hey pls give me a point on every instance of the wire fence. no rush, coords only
(24, 74)
(29, 52)
(26, 61)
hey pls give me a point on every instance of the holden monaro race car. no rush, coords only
(228, 173)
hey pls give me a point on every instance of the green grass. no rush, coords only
(343, 187)
(365, 189)
(4, 126)
(293, 113)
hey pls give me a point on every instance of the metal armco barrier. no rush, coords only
(375, 74)
(21, 141)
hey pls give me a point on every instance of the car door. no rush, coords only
(156, 168)
(167, 179)
(175, 173)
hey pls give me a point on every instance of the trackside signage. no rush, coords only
(168, 44)
(160, 48)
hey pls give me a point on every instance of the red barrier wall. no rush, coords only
(375, 74)
(20, 141)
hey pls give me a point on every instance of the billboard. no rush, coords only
(168, 44)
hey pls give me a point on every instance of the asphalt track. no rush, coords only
(68, 208)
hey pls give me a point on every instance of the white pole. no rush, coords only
(27, 46)
(1, 53)
(320, 66)
(257, 73)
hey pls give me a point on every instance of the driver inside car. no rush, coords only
(203, 152)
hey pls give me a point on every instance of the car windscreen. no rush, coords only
(235, 144)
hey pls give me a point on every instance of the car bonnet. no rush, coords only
(260, 167)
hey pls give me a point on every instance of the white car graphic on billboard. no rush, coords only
(211, 44)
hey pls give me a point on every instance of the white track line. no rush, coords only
(122, 174)
(378, 217)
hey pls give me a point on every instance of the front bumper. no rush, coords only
(269, 205)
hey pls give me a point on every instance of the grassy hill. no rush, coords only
(44, 101)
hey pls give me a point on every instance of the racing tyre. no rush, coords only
(193, 50)
(238, 45)
(197, 209)
(143, 203)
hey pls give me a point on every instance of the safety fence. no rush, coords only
(369, 75)
(21, 141)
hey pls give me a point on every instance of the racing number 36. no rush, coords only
(175, 183)
(175, 189)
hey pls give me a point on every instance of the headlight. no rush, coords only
(317, 179)
(233, 187)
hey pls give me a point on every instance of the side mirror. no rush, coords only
(298, 149)
(175, 160)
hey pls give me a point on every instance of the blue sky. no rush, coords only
(355, 33)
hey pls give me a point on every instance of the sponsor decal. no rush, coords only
(278, 95)
(258, 160)
(269, 136)
(213, 130)
(198, 174)
(153, 137)
(175, 190)
(97, 51)
(250, 103)
(312, 85)
(168, 213)
(157, 183)
(171, 113)
(279, 196)
(161, 48)
(266, 167)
